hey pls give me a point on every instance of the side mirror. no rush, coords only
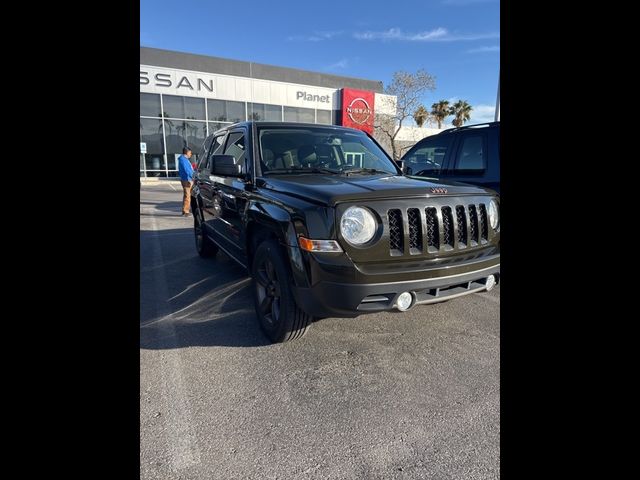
(226, 165)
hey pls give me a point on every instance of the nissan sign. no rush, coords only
(357, 109)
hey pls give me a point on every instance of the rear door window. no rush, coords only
(472, 155)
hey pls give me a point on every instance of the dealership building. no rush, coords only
(184, 97)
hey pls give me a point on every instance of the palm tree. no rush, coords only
(440, 111)
(168, 123)
(420, 115)
(181, 128)
(461, 110)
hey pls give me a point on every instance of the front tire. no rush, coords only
(205, 247)
(280, 318)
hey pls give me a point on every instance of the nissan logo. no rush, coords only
(359, 110)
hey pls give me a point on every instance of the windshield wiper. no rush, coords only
(365, 170)
(303, 170)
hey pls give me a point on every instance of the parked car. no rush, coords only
(327, 225)
(468, 154)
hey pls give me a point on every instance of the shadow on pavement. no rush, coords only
(189, 301)
(160, 207)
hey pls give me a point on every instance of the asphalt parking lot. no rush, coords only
(382, 396)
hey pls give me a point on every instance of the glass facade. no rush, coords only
(268, 113)
(168, 123)
(323, 116)
(298, 114)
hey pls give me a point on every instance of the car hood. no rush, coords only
(334, 189)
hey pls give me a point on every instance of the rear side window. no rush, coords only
(428, 158)
(472, 156)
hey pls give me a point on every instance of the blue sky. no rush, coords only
(457, 41)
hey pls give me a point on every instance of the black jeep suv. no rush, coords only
(328, 225)
(468, 154)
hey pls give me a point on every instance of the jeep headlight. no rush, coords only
(493, 214)
(357, 225)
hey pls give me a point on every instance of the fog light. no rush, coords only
(491, 281)
(405, 299)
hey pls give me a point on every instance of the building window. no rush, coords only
(323, 116)
(269, 113)
(226, 111)
(150, 105)
(195, 133)
(215, 126)
(297, 114)
(183, 107)
(151, 134)
(180, 134)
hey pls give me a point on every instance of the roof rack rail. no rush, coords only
(466, 127)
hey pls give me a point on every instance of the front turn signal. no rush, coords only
(318, 245)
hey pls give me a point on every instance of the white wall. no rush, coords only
(385, 104)
(227, 87)
(414, 134)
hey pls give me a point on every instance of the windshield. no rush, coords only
(319, 150)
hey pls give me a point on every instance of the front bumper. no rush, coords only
(338, 299)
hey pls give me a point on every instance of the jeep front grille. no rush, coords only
(473, 220)
(447, 221)
(461, 217)
(415, 231)
(396, 232)
(443, 229)
(483, 222)
(433, 236)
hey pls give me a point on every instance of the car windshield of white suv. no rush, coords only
(286, 150)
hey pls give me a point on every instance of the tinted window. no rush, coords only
(218, 143)
(270, 113)
(323, 116)
(214, 127)
(225, 111)
(194, 134)
(428, 158)
(289, 149)
(149, 105)
(175, 142)
(216, 148)
(183, 107)
(151, 134)
(472, 156)
(235, 147)
(207, 148)
(297, 114)
(207, 144)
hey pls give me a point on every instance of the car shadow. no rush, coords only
(187, 301)
(173, 207)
